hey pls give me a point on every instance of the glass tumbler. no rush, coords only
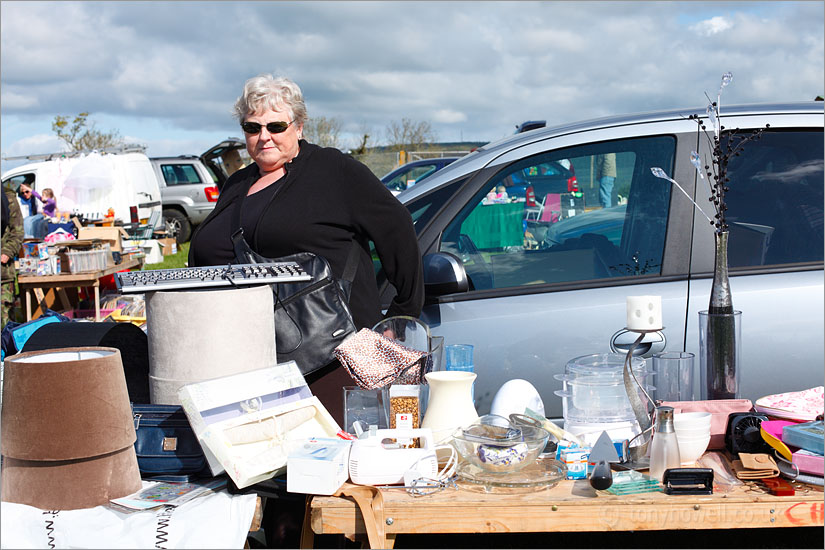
(371, 407)
(674, 375)
(459, 357)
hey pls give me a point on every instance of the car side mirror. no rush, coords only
(444, 274)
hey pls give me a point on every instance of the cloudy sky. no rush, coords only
(165, 74)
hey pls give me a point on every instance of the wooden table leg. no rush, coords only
(41, 302)
(28, 305)
(64, 299)
(307, 534)
(97, 301)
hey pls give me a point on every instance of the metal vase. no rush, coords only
(719, 331)
(720, 298)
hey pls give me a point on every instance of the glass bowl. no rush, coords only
(497, 446)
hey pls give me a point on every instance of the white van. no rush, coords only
(89, 183)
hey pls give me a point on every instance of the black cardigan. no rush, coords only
(327, 199)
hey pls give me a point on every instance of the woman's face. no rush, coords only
(271, 151)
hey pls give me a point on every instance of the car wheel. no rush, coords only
(177, 225)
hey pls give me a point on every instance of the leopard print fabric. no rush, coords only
(374, 361)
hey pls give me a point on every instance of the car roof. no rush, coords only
(179, 157)
(427, 161)
(487, 153)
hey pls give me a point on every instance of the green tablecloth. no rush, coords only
(495, 225)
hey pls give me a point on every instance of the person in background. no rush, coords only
(606, 176)
(48, 200)
(12, 239)
(34, 223)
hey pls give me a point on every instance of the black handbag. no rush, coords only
(166, 444)
(312, 318)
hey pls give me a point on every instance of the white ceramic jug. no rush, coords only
(450, 403)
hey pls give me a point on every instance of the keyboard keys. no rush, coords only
(210, 276)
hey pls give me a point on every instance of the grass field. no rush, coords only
(174, 260)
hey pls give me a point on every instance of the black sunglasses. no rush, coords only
(272, 127)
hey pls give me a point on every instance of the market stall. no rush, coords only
(43, 291)
(225, 416)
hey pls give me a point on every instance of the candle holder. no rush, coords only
(636, 453)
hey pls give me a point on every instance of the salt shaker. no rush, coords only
(664, 448)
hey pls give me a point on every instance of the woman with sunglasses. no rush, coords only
(35, 224)
(298, 197)
(48, 200)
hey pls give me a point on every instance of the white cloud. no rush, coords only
(712, 26)
(449, 116)
(35, 145)
(12, 100)
(474, 68)
(32, 145)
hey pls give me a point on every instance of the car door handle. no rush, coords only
(652, 343)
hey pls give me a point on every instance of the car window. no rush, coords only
(15, 182)
(581, 213)
(212, 173)
(409, 177)
(180, 174)
(775, 201)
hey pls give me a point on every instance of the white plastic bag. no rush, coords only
(217, 520)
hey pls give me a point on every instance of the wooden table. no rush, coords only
(51, 287)
(570, 506)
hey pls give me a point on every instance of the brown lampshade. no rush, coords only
(68, 435)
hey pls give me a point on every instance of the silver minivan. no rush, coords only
(532, 286)
(190, 184)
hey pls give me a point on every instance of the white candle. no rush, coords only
(644, 312)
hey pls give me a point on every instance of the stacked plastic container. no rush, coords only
(90, 260)
(594, 397)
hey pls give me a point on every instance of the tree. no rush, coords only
(359, 144)
(80, 134)
(408, 134)
(323, 131)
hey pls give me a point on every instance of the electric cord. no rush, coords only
(418, 485)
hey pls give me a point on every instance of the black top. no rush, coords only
(325, 201)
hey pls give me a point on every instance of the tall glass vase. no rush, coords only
(719, 332)
(720, 350)
(720, 298)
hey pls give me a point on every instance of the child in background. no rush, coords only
(48, 200)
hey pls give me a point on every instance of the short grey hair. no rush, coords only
(265, 91)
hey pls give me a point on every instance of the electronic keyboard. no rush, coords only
(210, 276)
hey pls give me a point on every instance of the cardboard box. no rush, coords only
(247, 423)
(168, 246)
(318, 466)
(112, 235)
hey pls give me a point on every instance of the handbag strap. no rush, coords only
(243, 250)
